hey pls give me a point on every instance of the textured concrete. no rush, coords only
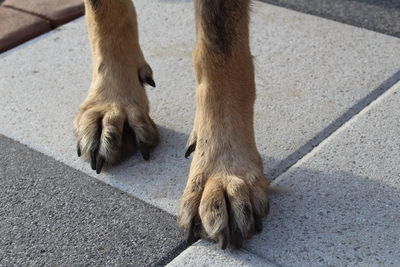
(342, 208)
(309, 71)
(17, 27)
(53, 215)
(57, 12)
(377, 15)
(204, 253)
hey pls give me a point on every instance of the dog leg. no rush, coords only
(226, 195)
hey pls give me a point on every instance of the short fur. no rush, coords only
(227, 193)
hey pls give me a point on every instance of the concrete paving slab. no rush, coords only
(343, 204)
(204, 253)
(17, 27)
(310, 73)
(377, 15)
(57, 12)
(53, 215)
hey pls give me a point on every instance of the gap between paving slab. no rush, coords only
(375, 96)
(334, 126)
(18, 27)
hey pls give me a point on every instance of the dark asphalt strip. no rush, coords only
(53, 215)
(376, 15)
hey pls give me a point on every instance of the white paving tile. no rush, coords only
(343, 204)
(204, 253)
(309, 71)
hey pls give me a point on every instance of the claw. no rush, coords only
(146, 75)
(189, 235)
(149, 80)
(93, 159)
(190, 149)
(144, 150)
(78, 150)
(223, 240)
(267, 211)
(258, 222)
(99, 165)
(235, 235)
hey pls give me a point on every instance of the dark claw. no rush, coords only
(99, 165)
(144, 150)
(258, 222)
(78, 150)
(223, 240)
(149, 80)
(146, 76)
(93, 159)
(236, 236)
(267, 211)
(189, 235)
(190, 149)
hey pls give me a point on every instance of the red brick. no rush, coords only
(57, 12)
(17, 27)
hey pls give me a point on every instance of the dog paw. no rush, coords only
(113, 122)
(223, 201)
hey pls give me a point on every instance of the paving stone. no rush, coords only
(53, 215)
(311, 75)
(57, 12)
(343, 201)
(204, 253)
(17, 27)
(376, 15)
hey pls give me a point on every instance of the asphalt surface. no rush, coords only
(53, 215)
(377, 15)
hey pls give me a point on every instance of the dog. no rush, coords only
(226, 195)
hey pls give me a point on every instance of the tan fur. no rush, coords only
(227, 191)
(226, 155)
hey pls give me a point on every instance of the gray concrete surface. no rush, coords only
(53, 215)
(377, 15)
(312, 75)
(204, 253)
(343, 204)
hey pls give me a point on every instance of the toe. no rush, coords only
(111, 137)
(241, 218)
(146, 133)
(213, 211)
(260, 202)
(88, 131)
(188, 218)
(78, 149)
(99, 131)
